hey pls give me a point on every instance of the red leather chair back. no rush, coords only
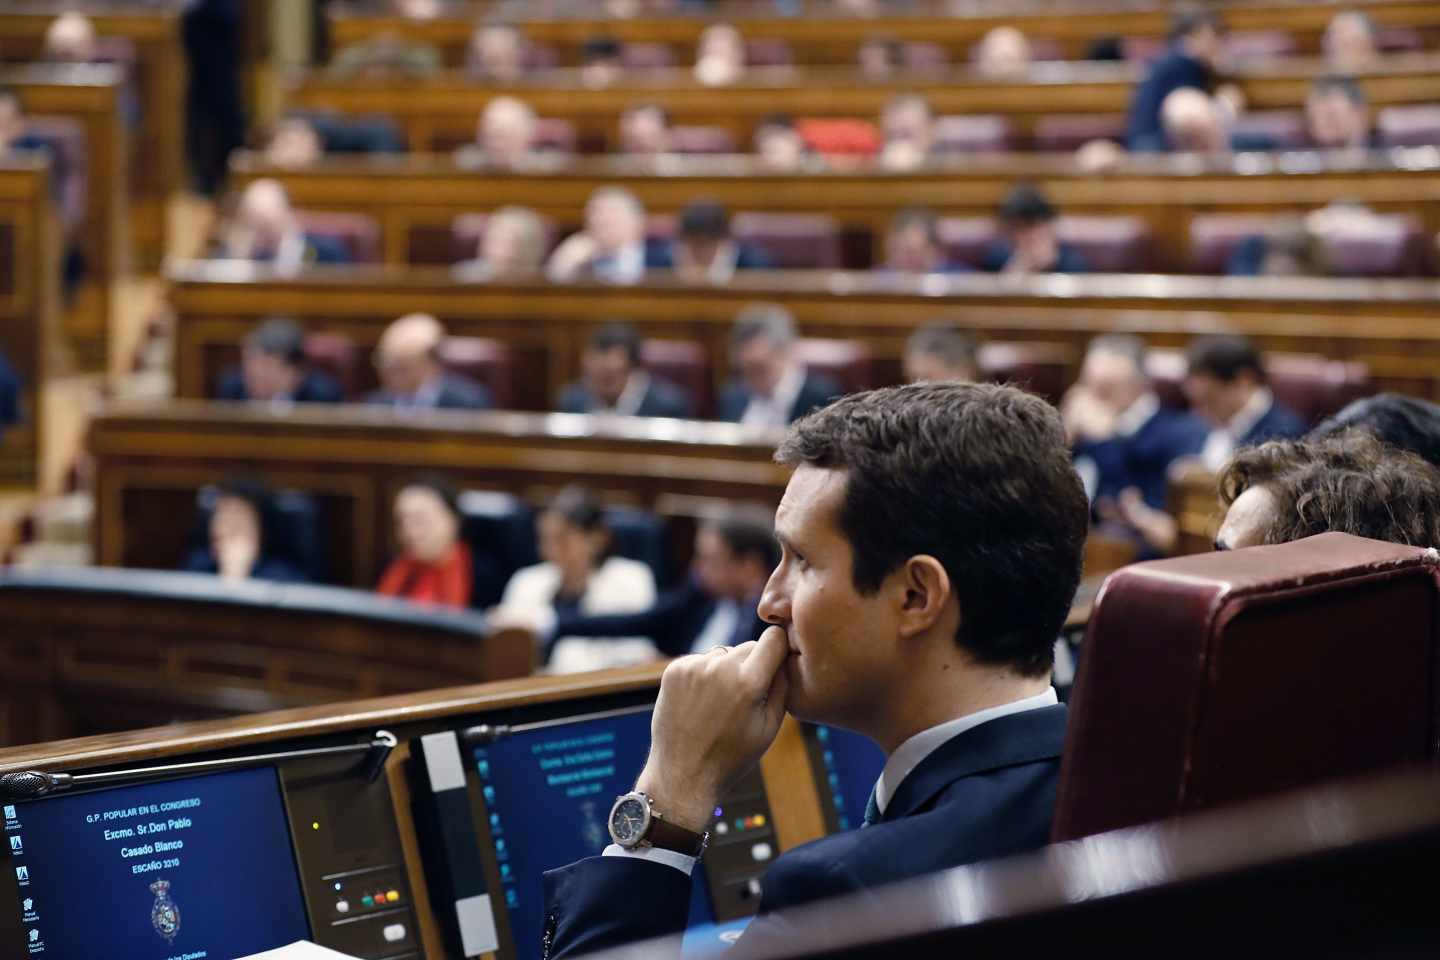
(686, 364)
(1285, 128)
(484, 360)
(1312, 386)
(698, 139)
(1391, 245)
(359, 232)
(768, 52)
(1214, 237)
(967, 238)
(1409, 126)
(1260, 44)
(923, 55)
(974, 133)
(647, 56)
(847, 362)
(555, 134)
(1216, 678)
(1062, 132)
(1043, 368)
(335, 354)
(794, 241)
(467, 229)
(1108, 244)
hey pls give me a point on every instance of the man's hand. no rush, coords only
(716, 715)
(576, 253)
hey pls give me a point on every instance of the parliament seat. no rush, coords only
(701, 139)
(1214, 238)
(1044, 368)
(1388, 245)
(921, 55)
(847, 362)
(1314, 387)
(485, 361)
(358, 232)
(1413, 126)
(65, 136)
(1063, 132)
(686, 364)
(966, 239)
(1108, 244)
(639, 55)
(500, 530)
(768, 52)
(467, 230)
(1260, 45)
(1218, 678)
(794, 241)
(974, 133)
(1284, 129)
(640, 535)
(555, 135)
(297, 531)
(335, 354)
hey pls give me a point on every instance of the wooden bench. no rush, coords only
(440, 113)
(91, 95)
(29, 303)
(1387, 324)
(159, 170)
(416, 200)
(835, 39)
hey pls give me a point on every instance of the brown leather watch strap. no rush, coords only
(669, 836)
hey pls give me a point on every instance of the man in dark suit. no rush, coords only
(268, 230)
(9, 396)
(1337, 115)
(773, 388)
(1225, 383)
(615, 382)
(412, 376)
(272, 369)
(1196, 41)
(917, 602)
(734, 555)
(1031, 243)
(704, 251)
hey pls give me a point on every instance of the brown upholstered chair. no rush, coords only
(1312, 386)
(794, 241)
(974, 133)
(686, 364)
(1221, 677)
(1061, 132)
(1108, 244)
(847, 362)
(1043, 368)
(1409, 126)
(701, 139)
(484, 360)
(335, 354)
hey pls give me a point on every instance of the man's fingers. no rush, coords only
(765, 659)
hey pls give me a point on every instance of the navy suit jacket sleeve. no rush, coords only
(815, 392)
(232, 387)
(462, 393)
(574, 398)
(665, 399)
(1248, 257)
(325, 249)
(319, 387)
(751, 257)
(1168, 74)
(733, 400)
(9, 395)
(669, 623)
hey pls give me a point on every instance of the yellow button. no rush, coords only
(393, 896)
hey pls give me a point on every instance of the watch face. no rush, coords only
(628, 820)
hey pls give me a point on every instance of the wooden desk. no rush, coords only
(416, 199)
(1388, 324)
(834, 39)
(151, 459)
(90, 95)
(29, 303)
(441, 113)
(158, 169)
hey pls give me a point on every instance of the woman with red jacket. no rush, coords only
(434, 565)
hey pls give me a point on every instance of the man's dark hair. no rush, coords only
(1109, 49)
(439, 485)
(253, 489)
(1346, 86)
(279, 337)
(579, 507)
(1193, 21)
(1404, 422)
(1224, 357)
(1025, 206)
(705, 219)
(769, 320)
(979, 477)
(908, 217)
(956, 347)
(1347, 483)
(748, 533)
(617, 336)
(599, 48)
(783, 120)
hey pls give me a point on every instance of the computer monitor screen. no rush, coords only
(201, 868)
(846, 766)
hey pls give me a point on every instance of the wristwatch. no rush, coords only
(635, 823)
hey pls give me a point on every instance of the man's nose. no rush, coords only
(775, 603)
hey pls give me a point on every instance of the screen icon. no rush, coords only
(22, 874)
(34, 936)
(16, 846)
(10, 813)
(28, 905)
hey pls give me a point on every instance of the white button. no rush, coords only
(761, 852)
(722, 828)
(394, 933)
(342, 906)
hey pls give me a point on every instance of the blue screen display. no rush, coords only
(193, 869)
(549, 793)
(852, 765)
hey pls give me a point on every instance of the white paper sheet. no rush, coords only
(299, 950)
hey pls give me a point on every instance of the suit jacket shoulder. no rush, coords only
(232, 387)
(461, 393)
(1279, 423)
(324, 249)
(574, 398)
(319, 387)
(734, 398)
(815, 392)
(665, 399)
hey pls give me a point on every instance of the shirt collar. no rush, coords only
(633, 395)
(1137, 415)
(1251, 413)
(913, 752)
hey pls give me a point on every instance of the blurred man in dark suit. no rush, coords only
(616, 382)
(773, 388)
(1196, 45)
(1225, 383)
(9, 396)
(916, 601)
(273, 369)
(412, 376)
(268, 230)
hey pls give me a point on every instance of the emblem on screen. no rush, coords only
(165, 914)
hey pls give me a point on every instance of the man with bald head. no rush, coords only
(412, 376)
(70, 38)
(507, 130)
(267, 229)
(612, 248)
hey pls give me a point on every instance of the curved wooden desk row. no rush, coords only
(835, 39)
(29, 303)
(1387, 324)
(441, 113)
(416, 200)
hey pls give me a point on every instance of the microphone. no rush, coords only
(29, 784)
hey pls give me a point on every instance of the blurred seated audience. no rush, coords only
(1337, 115)
(1031, 243)
(734, 556)
(1225, 383)
(412, 376)
(719, 55)
(941, 351)
(772, 387)
(613, 247)
(419, 9)
(907, 129)
(1190, 62)
(1287, 249)
(434, 565)
(1003, 52)
(614, 381)
(9, 395)
(645, 130)
(1098, 157)
(1406, 422)
(1196, 122)
(1349, 43)
(300, 140)
(512, 247)
(496, 54)
(71, 38)
(1125, 443)
(880, 58)
(266, 229)
(67, 186)
(1352, 483)
(601, 62)
(244, 536)
(273, 369)
(578, 576)
(295, 143)
(778, 144)
(385, 58)
(912, 244)
(704, 250)
(506, 132)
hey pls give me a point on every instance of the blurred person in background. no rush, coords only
(907, 129)
(412, 376)
(512, 247)
(940, 351)
(266, 229)
(435, 565)
(1032, 243)
(778, 144)
(71, 38)
(601, 63)
(1337, 115)
(613, 247)
(704, 250)
(645, 130)
(1191, 61)
(507, 131)
(772, 387)
(1004, 52)
(720, 55)
(273, 369)
(496, 54)
(1225, 383)
(1349, 43)
(615, 381)
(1406, 422)
(912, 244)
(244, 535)
(880, 58)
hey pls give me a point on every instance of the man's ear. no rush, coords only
(924, 592)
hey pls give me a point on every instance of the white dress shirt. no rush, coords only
(898, 766)
(774, 410)
(628, 403)
(1220, 444)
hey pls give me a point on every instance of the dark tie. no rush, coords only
(872, 811)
